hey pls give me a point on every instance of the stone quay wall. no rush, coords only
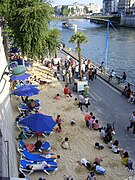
(128, 21)
(8, 160)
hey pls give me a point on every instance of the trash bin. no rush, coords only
(75, 87)
(86, 90)
(117, 80)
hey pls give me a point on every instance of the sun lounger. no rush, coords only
(45, 146)
(35, 157)
(22, 106)
(24, 163)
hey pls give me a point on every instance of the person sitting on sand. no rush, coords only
(66, 91)
(86, 163)
(57, 97)
(50, 156)
(102, 131)
(115, 147)
(97, 161)
(99, 146)
(124, 158)
(96, 125)
(91, 176)
(65, 144)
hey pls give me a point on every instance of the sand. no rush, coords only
(81, 139)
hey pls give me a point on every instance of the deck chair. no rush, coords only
(21, 146)
(22, 106)
(35, 157)
(24, 163)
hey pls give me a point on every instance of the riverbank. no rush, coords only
(81, 139)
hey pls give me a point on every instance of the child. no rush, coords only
(76, 102)
(125, 158)
(91, 121)
(91, 176)
(57, 97)
(59, 121)
(99, 146)
(96, 125)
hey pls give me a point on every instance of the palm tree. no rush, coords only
(79, 38)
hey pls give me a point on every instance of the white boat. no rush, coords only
(69, 25)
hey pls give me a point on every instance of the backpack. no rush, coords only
(100, 170)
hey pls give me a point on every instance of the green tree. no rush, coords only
(72, 10)
(65, 12)
(52, 41)
(29, 21)
(79, 38)
(86, 9)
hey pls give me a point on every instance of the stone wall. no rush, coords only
(128, 21)
(8, 166)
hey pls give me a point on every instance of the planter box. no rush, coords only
(80, 85)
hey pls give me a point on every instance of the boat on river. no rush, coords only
(69, 25)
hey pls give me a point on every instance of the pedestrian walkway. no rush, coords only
(105, 76)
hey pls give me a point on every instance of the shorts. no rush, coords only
(87, 123)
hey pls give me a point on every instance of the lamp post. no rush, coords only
(18, 70)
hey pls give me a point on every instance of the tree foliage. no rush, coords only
(52, 41)
(29, 22)
(79, 38)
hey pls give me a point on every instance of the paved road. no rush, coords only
(110, 106)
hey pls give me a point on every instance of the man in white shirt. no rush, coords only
(81, 100)
(39, 166)
(111, 75)
(86, 163)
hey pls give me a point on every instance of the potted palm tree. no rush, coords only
(79, 38)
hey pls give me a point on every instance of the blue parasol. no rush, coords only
(39, 122)
(26, 90)
(20, 77)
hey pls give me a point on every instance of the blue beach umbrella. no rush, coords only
(39, 122)
(20, 77)
(26, 90)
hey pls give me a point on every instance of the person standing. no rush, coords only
(123, 79)
(132, 122)
(81, 101)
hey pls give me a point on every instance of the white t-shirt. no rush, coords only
(39, 166)
(132, 118)
(113, 73)
(83, 67)
(114, 148)
(84, 161)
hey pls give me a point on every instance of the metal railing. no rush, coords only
(119, 86)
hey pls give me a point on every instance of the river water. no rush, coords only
(121, 52)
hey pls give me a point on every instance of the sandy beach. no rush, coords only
(81, 139)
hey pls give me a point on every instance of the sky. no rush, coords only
(69, 2)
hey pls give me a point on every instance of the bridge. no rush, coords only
(115, 20)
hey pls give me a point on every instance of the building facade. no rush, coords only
(110, 7)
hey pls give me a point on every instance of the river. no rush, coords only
(121, 52)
